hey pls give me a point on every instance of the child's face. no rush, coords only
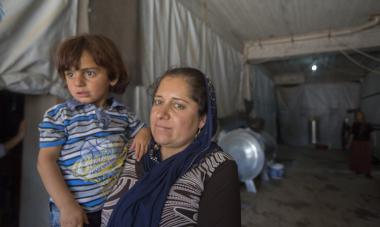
(89, 83)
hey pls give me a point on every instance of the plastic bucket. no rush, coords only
(276, 171)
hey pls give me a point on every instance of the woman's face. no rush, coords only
(174, 116)
(359, 116)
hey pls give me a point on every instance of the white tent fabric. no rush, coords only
(137, 98)
(29, 32)
(265, 103)
(327, 103)
(172, 36)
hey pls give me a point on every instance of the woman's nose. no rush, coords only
(163, 112)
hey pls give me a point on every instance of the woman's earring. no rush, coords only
(198, 132)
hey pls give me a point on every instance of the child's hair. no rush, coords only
(102, 50)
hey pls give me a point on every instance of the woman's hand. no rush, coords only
(141, 142)
(72, 215)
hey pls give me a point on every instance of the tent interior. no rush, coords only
(285, 62)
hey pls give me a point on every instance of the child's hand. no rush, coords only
(73, 215)
(140, 142)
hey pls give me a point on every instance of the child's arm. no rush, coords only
(71, 213)
(140, 142)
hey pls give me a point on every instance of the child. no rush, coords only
(83, 140)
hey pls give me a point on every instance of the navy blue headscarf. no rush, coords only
(142, 205)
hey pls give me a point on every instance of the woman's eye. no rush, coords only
(178, 106)
(157, 102)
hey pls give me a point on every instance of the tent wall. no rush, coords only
(172, 36)
(370, 104)
(29, 32)
(327, 103)
(118, 20)
(138, 100)
(264, 98)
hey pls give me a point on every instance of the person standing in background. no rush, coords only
(345, 133)
(360, 145)
(12, 142)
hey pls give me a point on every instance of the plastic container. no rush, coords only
(276, 171)
(313, 131)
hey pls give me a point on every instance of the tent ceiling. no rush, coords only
(248, 21)
(331, 67)
(257, 19)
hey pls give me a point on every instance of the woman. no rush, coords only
(185, 179)
(360, 160)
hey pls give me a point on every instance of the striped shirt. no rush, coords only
(93, 146)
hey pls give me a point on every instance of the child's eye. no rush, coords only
(178, 106)
(69, 74)
(90, 73)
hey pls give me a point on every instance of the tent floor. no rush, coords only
(317, 189)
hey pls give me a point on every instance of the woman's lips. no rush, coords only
(163, 128)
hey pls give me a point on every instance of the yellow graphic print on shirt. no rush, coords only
(101, 159)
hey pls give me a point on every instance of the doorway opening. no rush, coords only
(11, 114)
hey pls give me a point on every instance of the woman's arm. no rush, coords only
(220, 201)
(71, 213)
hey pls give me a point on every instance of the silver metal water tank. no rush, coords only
(247, 148)
(250, 150)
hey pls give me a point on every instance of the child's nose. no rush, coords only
(79, 80)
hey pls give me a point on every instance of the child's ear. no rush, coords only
(114, 82)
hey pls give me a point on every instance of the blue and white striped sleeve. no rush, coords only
(134, 125)
(52, 129)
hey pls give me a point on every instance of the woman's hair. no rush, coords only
(196, 81)
(102, 50)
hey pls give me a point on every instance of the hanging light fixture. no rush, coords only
(314, 67)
